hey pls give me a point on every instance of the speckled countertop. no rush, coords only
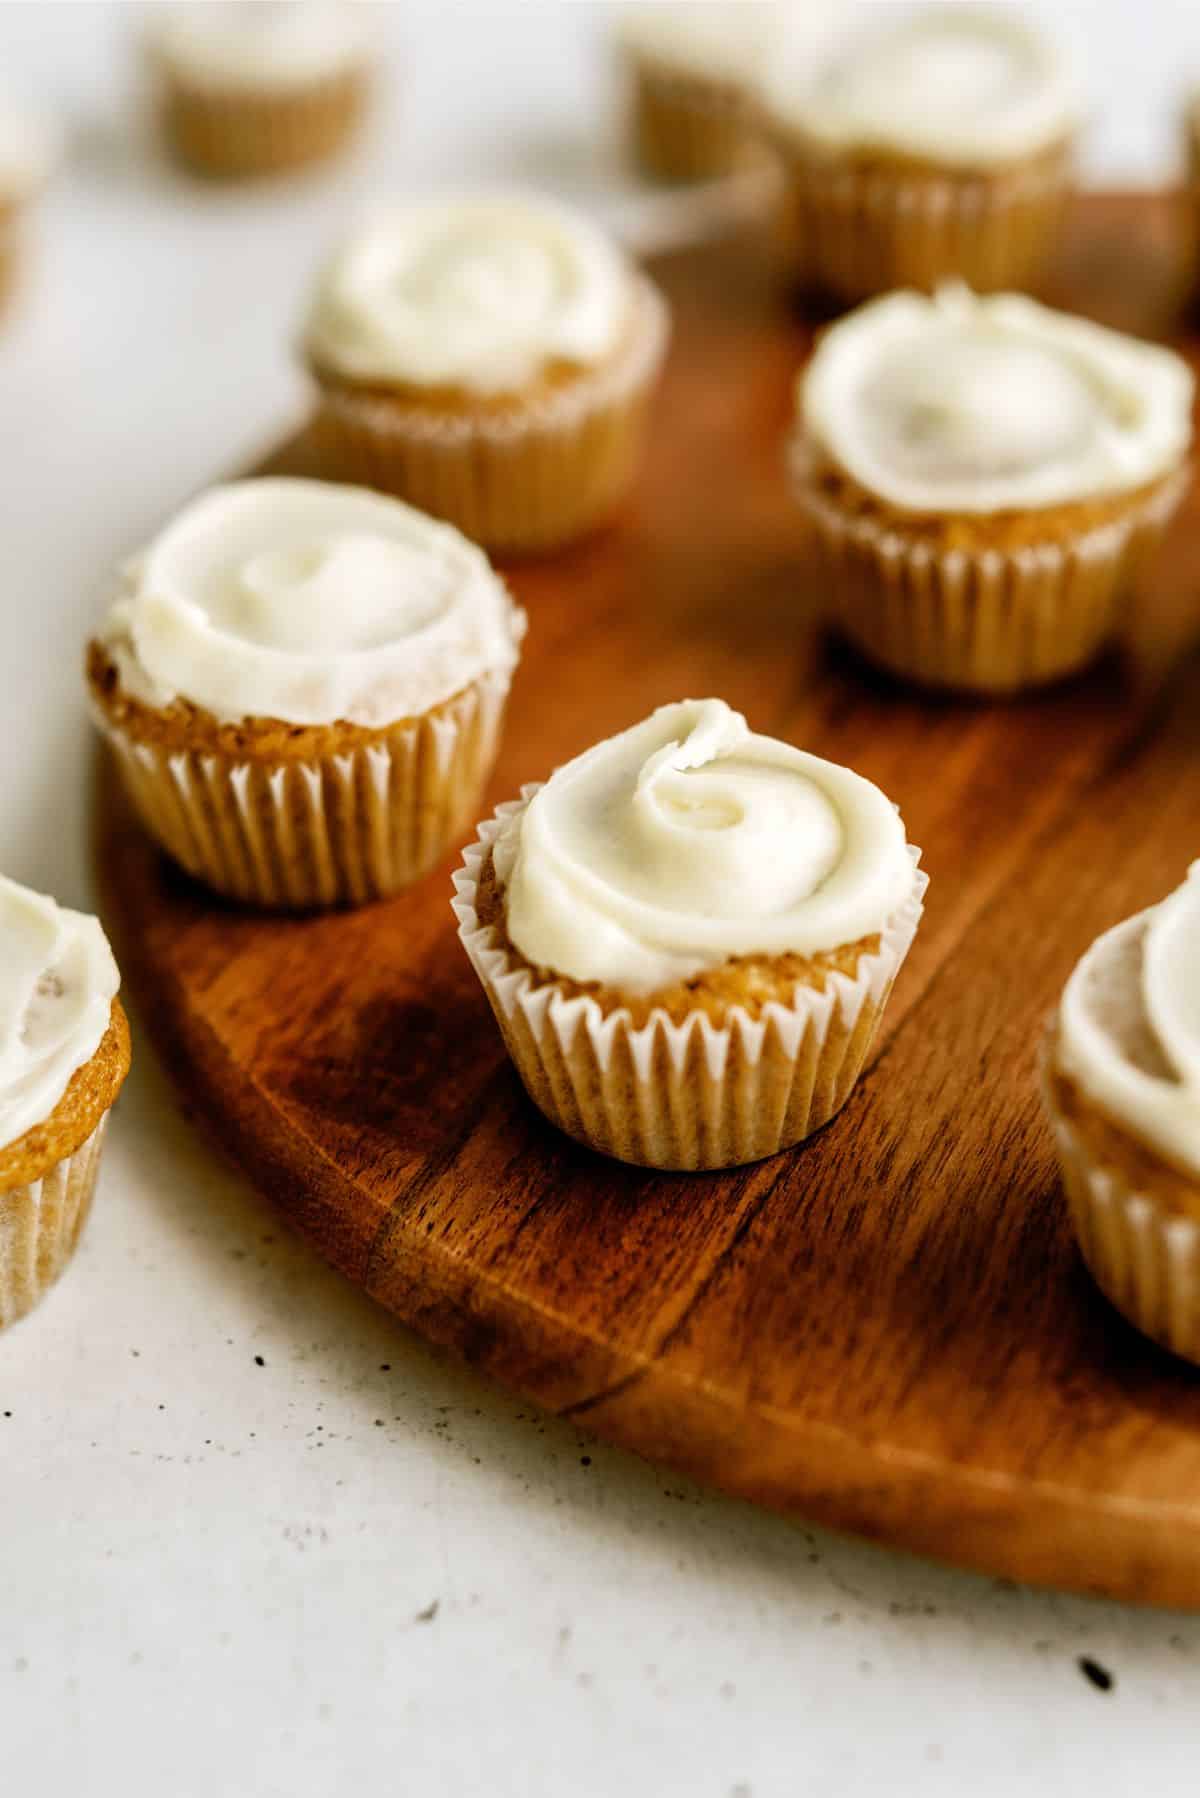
(254, 1538)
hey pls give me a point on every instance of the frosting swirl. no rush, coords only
(310, 603)
(481, 292)
(688, 840)
(962, 403)
(256, 44)
(963, 85)
(58, 980)
(1129, 1025)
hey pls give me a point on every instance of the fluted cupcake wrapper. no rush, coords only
(857, 231)
(1144, 1258)
(689, 129)
(528, 477)
(228, 134)
(688, 1095)
(40, 1224)
(980, 620)
(336, 831)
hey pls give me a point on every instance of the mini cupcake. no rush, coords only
(984, 476)
(925, 147)
(254, 87)
(304, 686)
(64, 1052)
(1122, 1088)
(693, 72)
(688, 936)
(27, 153)
(489, 359)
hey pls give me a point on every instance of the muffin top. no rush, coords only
(482, 292)
(309, 603)
(687, 840)
(714, 40)
(258, 44)
(965, 86)
(1129, 1026)
(58, 980)
(961, 403)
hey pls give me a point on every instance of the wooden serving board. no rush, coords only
(888, 1330)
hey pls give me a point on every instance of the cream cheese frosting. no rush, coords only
(714, 40)
(968, 403)
(311, 603)
(58, 980)
(1129, 1025)
(687, 840)
(259, 44)
(961, 85)
(480, 292)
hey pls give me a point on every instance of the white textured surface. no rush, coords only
(213, 1573)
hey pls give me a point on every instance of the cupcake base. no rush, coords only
(230, 135)
(978, 618)
(352, 825)
(1143, 1255)
(526, 476)
(684, 1095)
(40, 1224)
(688, 129)
(851, 227)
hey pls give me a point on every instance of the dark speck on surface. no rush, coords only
(259, 1362)
(1095, 1674)
(428, 1614)
(585, 1460)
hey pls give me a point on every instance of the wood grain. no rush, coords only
(889, 1330)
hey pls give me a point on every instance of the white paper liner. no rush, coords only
(855, 231)
(688, 1095)
(689, 128)
(1144, 1258)
(40, 1225)
(339, 831)
(985, 620)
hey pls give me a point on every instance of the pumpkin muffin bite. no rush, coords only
(257, 87)
(490, 359)
(984, 476)
(693, 73)
(688, 935)
(921, 145)
(304, 685)
(64, 1053)
(1121, 1083)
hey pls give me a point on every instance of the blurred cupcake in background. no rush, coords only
(258, 88)
(490, 358)
(921, 146)
(693, 71)
(28, 151)
(984, 477)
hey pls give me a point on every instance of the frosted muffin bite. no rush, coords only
(920, 145)
(489, 358)
(304, 685)
(64, 1053)
(254, 87)
(1121, 1082)
(693, 70)
(688, 935)
(984, 476)
(28, 150)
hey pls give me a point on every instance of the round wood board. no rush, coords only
(888, 1330)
